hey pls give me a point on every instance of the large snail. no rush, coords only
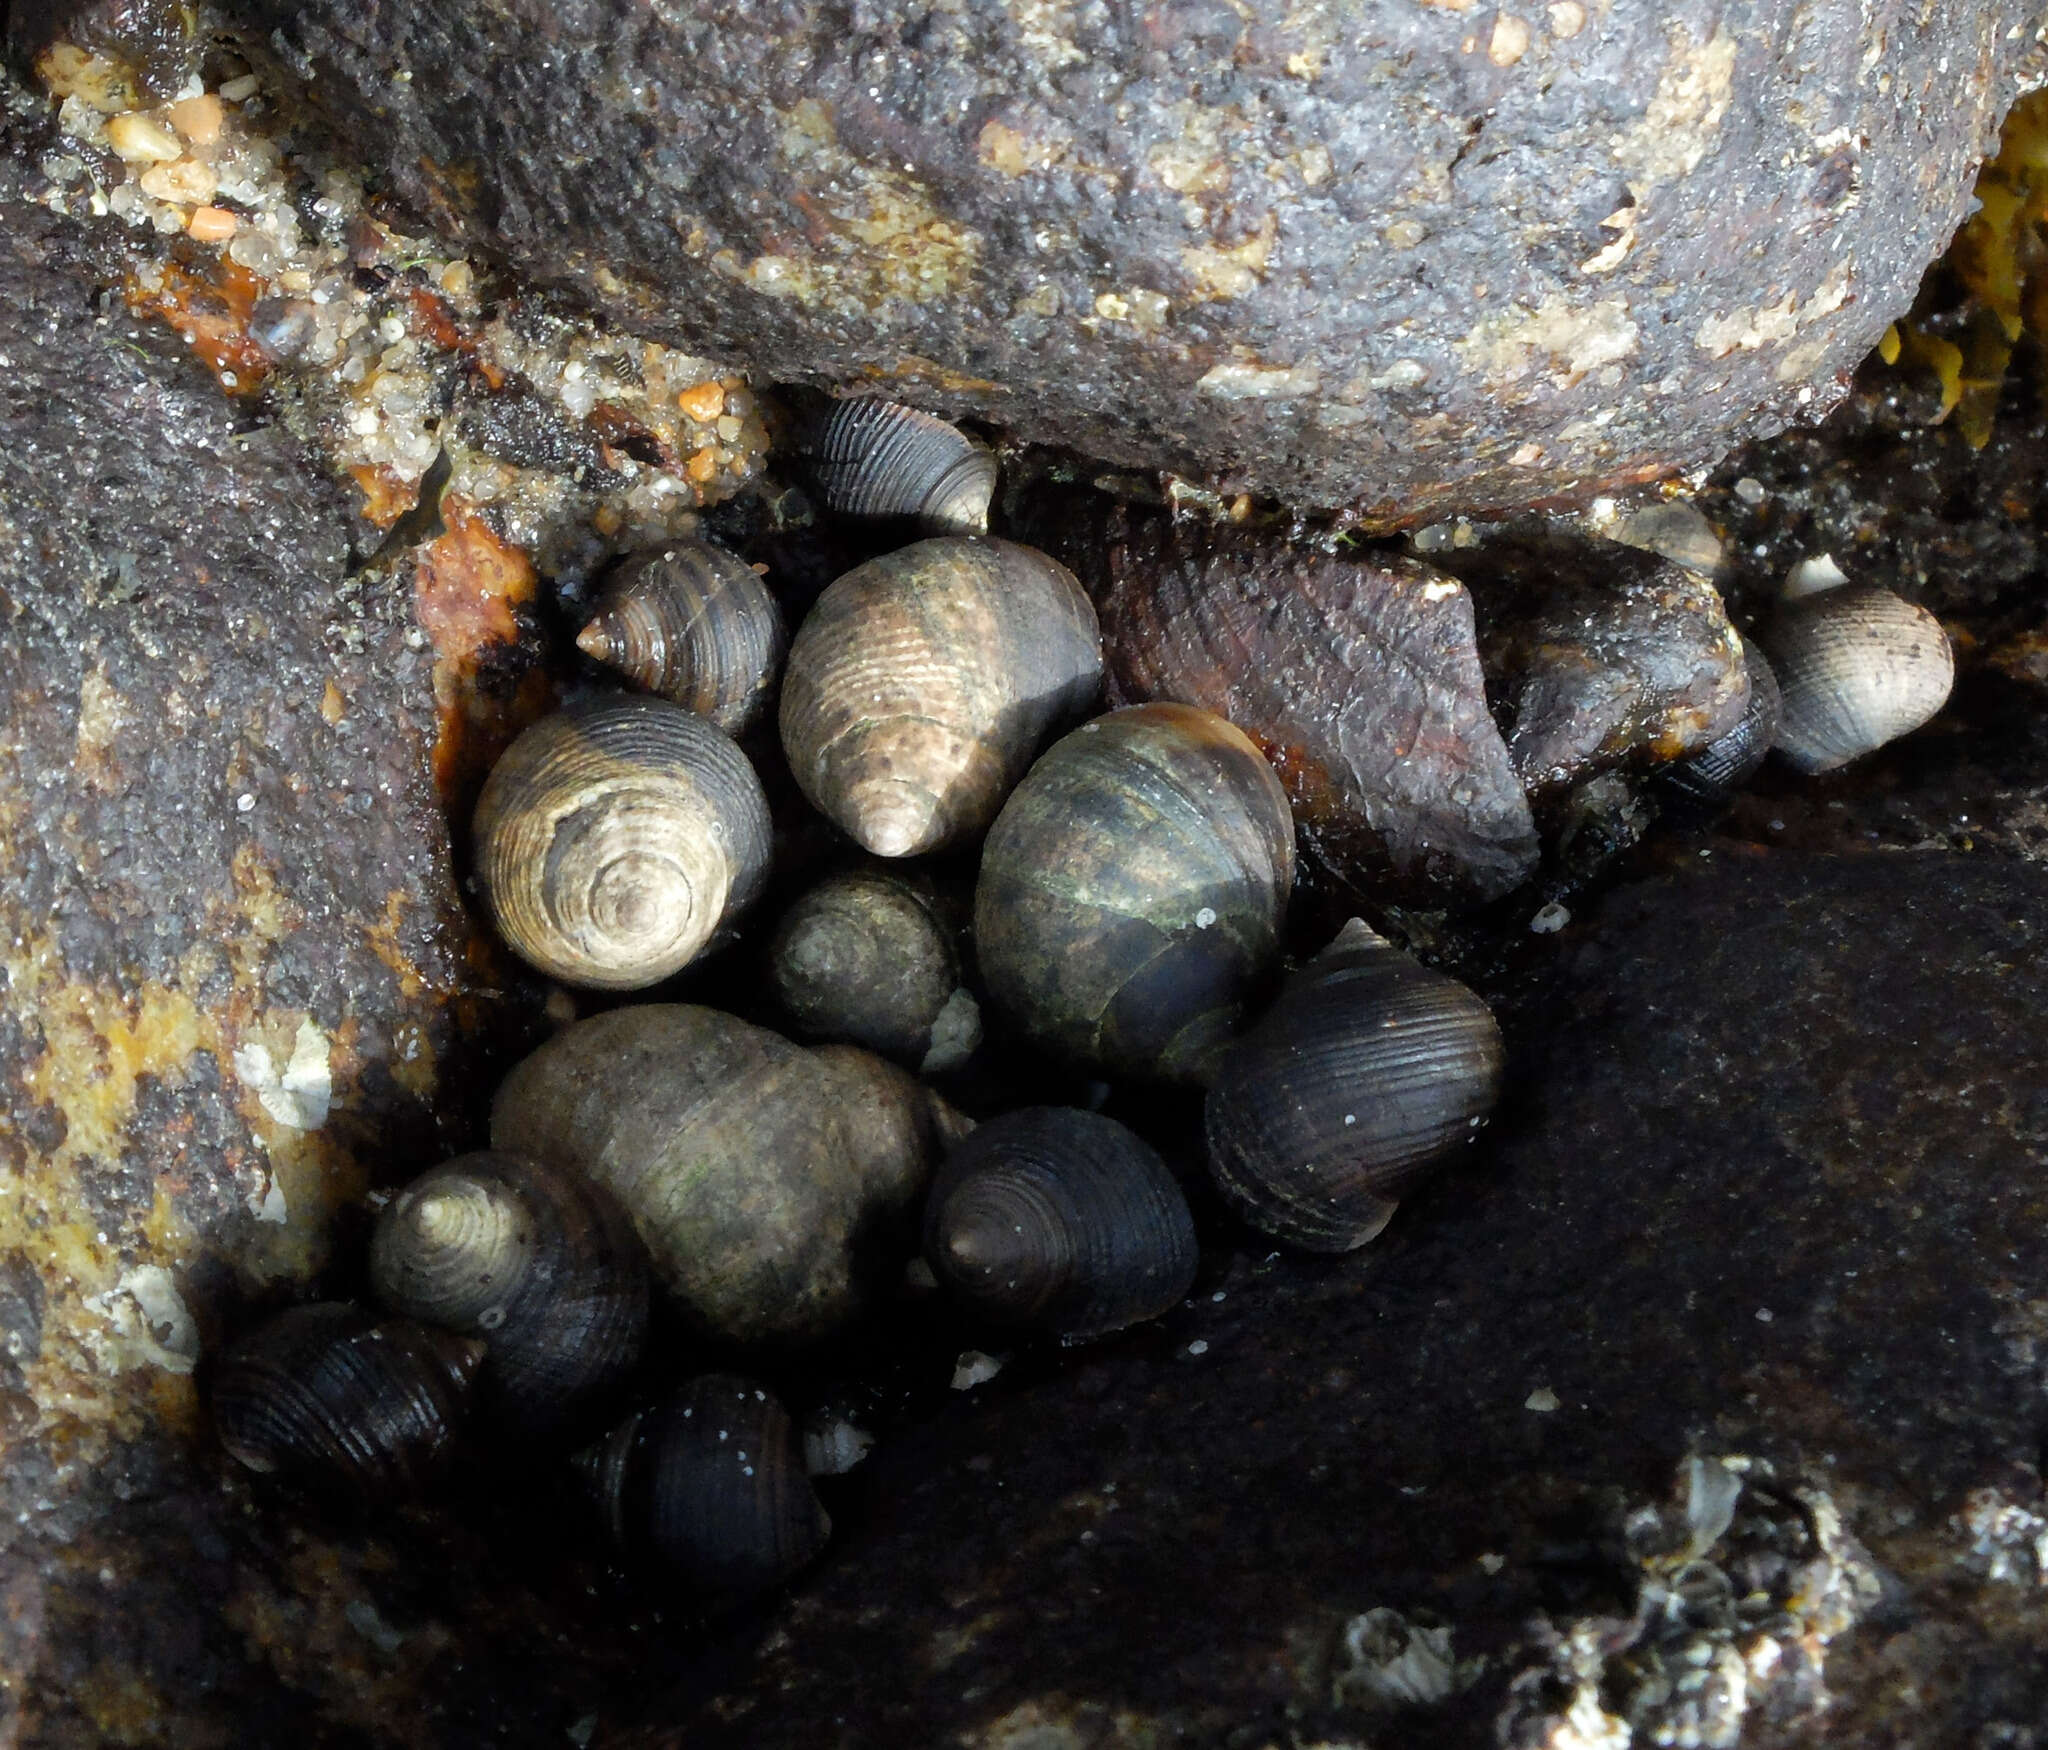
(773, 1185)
(613, 839)
(1368, 1069)
(920, 684)
(345, 1403)
(1857, 667)
(694, 624)
(875, 458)
(1057, 1220)
(541, 1265)
(1132, 890)
(868, 957)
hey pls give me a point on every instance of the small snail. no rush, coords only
(1132, 890)
(773, 1185)
(877, 458)
(865, 957)
(543, 1266)
(343, 1402)
(1857, 667)
(1368, 1068)
(614, 838)
(1059, 1220)
(1718, 770)
(697, 626)
(711, 1483)
(920, 683)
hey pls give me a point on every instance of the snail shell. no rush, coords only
(864, 957)
(542, 1266)
(877, 458)
(1132, 890)
(695, 625)
(921, 682)
(343, 1402)
(613, 839)
(1059, 1220)
(1368, 1068)
(1857, 667)
(712, 1481)
(772, 1185)
(1721, 768)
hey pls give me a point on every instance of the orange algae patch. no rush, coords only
(211, 315)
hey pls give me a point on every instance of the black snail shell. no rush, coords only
(875, 458)
(711, 1484)
(1368, 1068)
(1857, 667)
(343, 1402)
(613, 839)
(542, 1265)
(1722, 767)
(694, 624)
(1057, 1220)
(1132, 890)
(867, 957)
(920, 684)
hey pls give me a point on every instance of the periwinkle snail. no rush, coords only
(773, 1185)
(1132, 890)
(1857, 667)
(695, 625)
(1062, 1221)
(1367, 1070)
(711, 1484)
(875, 458)
(614, 839)
(867, 957)
(346, 1404)
(920, 683)
(541, 1266)
(1721, 768)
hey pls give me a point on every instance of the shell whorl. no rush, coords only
(877, 458)
(920, 683)
(695, 625)
(1725, 765)
(1857, 667)
(614, 839)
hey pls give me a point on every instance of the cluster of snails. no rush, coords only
(1126, 920)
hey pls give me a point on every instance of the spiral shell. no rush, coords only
(1718, 770)
(877, 458)
(1133, 888)
(865, 957)
(1368, 1069)
(345, 1403)
(921, 682)
(1857, 667)
(542, 1266)
(711, 1483)
(695, 625)
(1057, 1220)
(614, 838)
(774, 1186)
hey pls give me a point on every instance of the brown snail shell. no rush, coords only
(613, 839)
(1059, 1220)
(1368, 1069)
(920, 683)
(343, 1402)
(543, 1266)
(1857, 667)
(1722, 767)
(875, 458)
(772, 1185)
(1132, 890)
(695, 625)
(711, 1483)
(866, 957)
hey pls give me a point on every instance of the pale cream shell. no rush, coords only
(1857, 667)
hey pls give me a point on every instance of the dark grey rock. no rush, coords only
(1411, 257)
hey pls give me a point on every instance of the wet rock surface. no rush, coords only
(1768, 1182)
(1597, 242)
